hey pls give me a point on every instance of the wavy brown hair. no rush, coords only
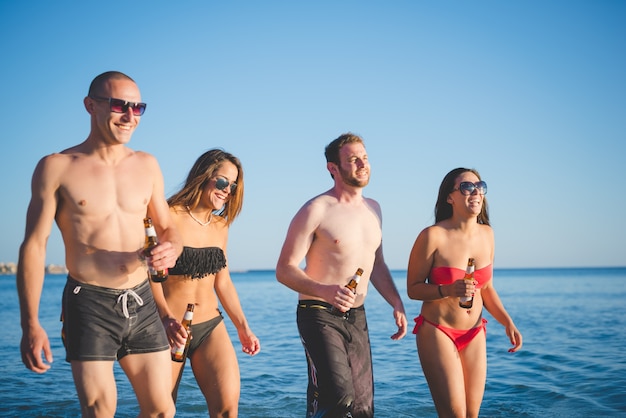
(443, 209)
(203, 171)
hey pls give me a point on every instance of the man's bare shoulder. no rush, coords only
(371, 201)
(374, 205)
(326, 198)
(320, 202)
(313, 211)
(54, 163)
(145, 158)
(86, 150)
(142, 154)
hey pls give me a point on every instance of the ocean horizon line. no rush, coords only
(400, 270)
(243, 271)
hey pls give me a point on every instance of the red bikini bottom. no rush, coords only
(460, 337)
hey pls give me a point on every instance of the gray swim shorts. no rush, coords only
(107, 324)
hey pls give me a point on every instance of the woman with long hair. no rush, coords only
(451, 340)
(202, 210)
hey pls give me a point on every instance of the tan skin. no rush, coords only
(99, 213)
(450, 243)
(337, 232)
(214, 363)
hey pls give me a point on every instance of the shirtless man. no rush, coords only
(98, 192)
(336, 233)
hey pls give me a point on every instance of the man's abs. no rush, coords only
(112, 269)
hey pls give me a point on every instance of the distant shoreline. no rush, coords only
(11, 268)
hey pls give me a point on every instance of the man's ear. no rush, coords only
(332, 168)
(89, 104)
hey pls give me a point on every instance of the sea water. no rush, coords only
(572, 363)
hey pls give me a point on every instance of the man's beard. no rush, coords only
(350, 180)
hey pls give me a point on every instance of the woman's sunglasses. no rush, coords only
(121, 106)
(221, 184)
(467, 187)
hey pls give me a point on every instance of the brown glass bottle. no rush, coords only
(179, 352)
(354, 281)
(466, 302)
(152, 241)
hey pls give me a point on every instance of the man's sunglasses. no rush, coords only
(121, 106)
(221, 184)
(467, 187)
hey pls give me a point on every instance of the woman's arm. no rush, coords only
(227, 294)
(494, 306)
(421, 261)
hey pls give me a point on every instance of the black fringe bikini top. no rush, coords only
(199, 262)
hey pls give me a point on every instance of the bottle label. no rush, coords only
(150, 231)
(469, 276)
(466, 299)
(178, 350)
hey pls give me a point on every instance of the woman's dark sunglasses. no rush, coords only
(121, 106)
(467, 187)
(221, 184)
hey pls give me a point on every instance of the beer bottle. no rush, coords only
(354, 281)
(466, 302)
(179, 352)
(152, 241)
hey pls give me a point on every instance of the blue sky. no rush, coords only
(531, 93)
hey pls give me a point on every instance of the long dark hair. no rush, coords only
(443, 209)
(202, 171)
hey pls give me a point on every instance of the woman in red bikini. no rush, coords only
(451, 341)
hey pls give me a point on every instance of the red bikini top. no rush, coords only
(448, 275)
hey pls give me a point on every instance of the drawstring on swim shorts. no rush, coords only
(124, 298)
